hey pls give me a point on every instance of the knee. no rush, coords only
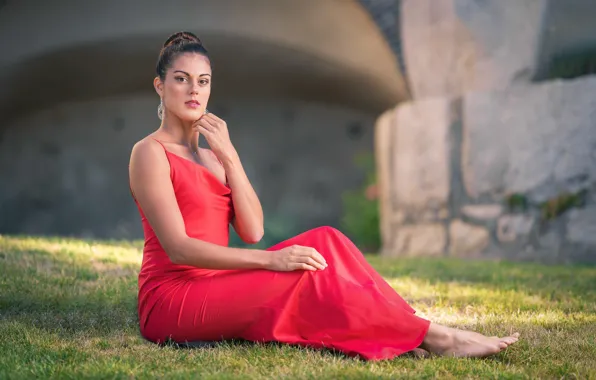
(327, 230)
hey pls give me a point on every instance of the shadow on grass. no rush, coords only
(74, 297)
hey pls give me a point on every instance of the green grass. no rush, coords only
(68, 310)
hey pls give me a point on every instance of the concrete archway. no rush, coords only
(77, 93)
(328, 51)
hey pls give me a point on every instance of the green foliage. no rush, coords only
(360, 220)
(551, 208)
(517, 202)
(555, 207)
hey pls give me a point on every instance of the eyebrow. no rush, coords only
(184, 72)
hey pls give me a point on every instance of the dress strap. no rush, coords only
(160, 143)
(165, 151)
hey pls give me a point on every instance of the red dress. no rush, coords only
(347, 307)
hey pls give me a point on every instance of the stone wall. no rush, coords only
(505, 173)
(454, 46)
(64, 170)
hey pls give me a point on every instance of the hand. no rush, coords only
(216, 133)
(296, 257)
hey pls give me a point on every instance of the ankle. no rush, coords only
(438, 338)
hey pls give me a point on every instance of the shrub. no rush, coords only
(360, 219)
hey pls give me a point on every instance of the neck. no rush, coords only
(180, 131)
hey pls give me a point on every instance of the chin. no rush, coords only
(191, 115)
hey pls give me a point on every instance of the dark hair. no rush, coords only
(176, 44)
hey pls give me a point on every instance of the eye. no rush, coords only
(180, 79)
(204, 82)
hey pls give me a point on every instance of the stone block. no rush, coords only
(550, 241)
(454, 46)
(537, 140)
(581, 226)
(511, 228)
(482, 212)
(467, 240)
(420, 178)
(420, 240)
(431, 215)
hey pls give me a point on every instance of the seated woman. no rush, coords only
(315, 289)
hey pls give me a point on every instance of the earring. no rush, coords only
(160, 109)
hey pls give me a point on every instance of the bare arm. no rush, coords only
(150, 182)
(248, 220)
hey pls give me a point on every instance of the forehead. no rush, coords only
(192, 63)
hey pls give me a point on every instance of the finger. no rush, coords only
(206, 132)
(219, 123)
(304, 266)
(312, 262)
(316, 255)
(321, 258)
(309, 258)
(206, 124)
(509, 340)
(213, 117)
(203, 120)
(207, 119)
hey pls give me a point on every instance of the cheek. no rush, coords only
(173, 94)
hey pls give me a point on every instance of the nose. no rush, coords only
(194, 90)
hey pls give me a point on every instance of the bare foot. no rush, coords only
(418, 353)
(447, 341)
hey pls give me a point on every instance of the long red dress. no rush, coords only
(347, 307)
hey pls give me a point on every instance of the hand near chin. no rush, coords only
(216, 133)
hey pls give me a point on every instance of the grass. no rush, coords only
(68, 310)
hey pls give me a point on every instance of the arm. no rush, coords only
(149, 172)
(248, 221)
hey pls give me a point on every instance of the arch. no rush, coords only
(322, 51)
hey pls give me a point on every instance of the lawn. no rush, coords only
(67, 310)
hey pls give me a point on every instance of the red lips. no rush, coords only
(193, 104)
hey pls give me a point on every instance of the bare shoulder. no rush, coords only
(146, 146)
(147, 150)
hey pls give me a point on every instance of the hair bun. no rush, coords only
(181, 38)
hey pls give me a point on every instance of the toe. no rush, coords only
(420, 353)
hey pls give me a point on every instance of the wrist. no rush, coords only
(263, 258)
(230, 159)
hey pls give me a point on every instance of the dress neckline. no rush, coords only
(226, 185)
(200, 166)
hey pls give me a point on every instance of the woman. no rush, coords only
(315, 289)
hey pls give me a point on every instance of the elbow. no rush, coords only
(175, 258)
(176, 252)
(254, 237)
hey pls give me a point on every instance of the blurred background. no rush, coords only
(418, 127)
